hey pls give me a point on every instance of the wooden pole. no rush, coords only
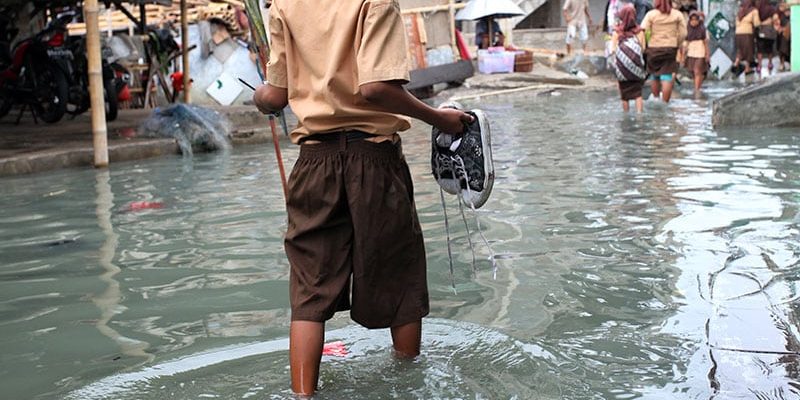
(97, 100)
(452, 15)
(441, 7)
(490, 22)
(187, 97)
(795, 27)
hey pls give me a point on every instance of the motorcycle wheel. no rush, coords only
(52, 91)
(112, 103)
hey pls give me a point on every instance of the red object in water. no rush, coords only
(335, 349)
(145, 205)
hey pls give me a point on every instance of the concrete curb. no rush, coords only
(69, 145)
(84, 156)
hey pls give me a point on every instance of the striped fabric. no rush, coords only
(629, 62)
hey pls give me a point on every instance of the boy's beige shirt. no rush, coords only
(323, 51)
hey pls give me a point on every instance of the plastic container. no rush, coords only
(493, 61)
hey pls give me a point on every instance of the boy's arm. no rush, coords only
(382, 62)
(274, 96)
(392, 97)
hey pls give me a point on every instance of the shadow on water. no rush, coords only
(640, 256)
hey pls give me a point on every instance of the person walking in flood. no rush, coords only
(576, 14)
(696, 53)
(747, 21)
(767, 35)
(667, 29)
(628, 44)
(353, 240)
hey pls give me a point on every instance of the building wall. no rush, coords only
(549, 15)
(437, 24)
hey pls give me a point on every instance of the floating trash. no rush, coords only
(335, 349)
(145, 205)
(195, 128)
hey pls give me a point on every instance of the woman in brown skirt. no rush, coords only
(746, 21)
(667, 30)
(628, 44)
(765, 42)
(695, 49)
(782, 21)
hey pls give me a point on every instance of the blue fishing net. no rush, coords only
(194, 128)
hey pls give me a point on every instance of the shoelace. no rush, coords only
(460, 167)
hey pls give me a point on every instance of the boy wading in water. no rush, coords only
(352, 219)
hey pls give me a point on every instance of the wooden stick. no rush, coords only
(451, 15)
(509, 91)
(258, 30)
(187, 94)
(97, 100)
(442, 7)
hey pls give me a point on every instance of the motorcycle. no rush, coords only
(70, 57)
(27, 75)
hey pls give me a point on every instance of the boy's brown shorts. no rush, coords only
(352, 218)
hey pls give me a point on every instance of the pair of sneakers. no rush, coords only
(462, 165)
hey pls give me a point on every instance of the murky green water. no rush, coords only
(640, 257)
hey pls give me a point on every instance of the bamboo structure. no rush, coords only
(187, 97)
(259, 33)
(452, 23)
(97, 100)
(427, 9)
(795, 27)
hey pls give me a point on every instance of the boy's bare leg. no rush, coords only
(625, 106)
(639, 104)
(406, 339)
(305, 351)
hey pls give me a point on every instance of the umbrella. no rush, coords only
(491, 9)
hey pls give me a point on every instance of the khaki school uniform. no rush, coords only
(322, 51)
(696, 57)
(353, 240)
(667, 33)
(745, 38)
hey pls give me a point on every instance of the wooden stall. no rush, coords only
(434, 54)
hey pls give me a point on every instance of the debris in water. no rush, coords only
(145, 205)
(335, 349)
(193, 127)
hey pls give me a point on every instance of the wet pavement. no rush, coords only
(29, 147)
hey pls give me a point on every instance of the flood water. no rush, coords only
(639, 257)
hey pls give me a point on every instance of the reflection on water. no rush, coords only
(640, 256)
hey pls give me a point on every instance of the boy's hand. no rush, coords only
(451, 121)
(270, 99)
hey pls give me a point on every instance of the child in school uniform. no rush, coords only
(695, 49)
(353, 240)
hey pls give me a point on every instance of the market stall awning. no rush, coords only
(477, 9)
